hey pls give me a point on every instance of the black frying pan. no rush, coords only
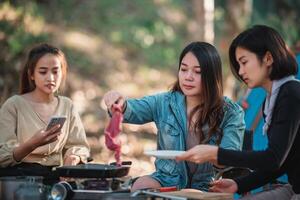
(93, 171)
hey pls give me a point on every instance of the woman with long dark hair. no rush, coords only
(260, 58)
(24, 140)
(193, 112)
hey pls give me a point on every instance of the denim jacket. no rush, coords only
(168, 111)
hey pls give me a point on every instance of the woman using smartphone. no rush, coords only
(25, 142)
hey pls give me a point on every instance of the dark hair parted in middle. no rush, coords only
(259, 40)
(35, 54)
(210, 110)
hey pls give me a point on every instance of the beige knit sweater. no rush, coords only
(19, 122)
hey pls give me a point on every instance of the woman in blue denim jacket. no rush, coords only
(193, 112)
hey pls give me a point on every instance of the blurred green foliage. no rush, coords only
(13, 38)
(145, 30)
(284, 15)
(132, 24)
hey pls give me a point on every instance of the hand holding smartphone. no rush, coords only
(55, 120)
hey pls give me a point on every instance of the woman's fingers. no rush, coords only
(224, 185)
(43, 137)
(53, 137)
(118, 106)
(190, 155)
(212, 189)
(217, 182)
(111, 97)
(199, 154)
(120, 102)
(72, 160)
(52, 129)
(52, 134)
(216, 186)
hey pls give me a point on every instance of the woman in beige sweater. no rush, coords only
(23, 118)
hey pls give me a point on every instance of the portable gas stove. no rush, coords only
(106, 189)
(91, 180)
(101, 188)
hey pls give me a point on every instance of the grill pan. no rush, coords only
(93, 171)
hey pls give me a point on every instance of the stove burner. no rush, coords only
(102, 184)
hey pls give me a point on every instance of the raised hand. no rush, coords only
(114, 100)
(44, 137)
(40, 138)
(224, 185)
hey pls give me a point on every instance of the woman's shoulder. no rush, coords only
(13, 101)
(292, 88)
(65, 100)
(175, 95)
(233, 113)
(165, 95)
(231, 106)
(66, 104)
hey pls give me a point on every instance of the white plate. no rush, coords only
(164, 154)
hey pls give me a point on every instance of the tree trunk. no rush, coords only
(237, 15)
(204, 14)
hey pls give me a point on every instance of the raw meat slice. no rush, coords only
(112, 131)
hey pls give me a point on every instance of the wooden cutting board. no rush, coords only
(197, 194)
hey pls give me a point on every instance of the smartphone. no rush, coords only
(56, 120)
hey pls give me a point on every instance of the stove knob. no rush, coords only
(61, 191)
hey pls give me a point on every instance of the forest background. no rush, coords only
(131, 46)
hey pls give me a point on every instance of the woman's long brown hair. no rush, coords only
(210, 109)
